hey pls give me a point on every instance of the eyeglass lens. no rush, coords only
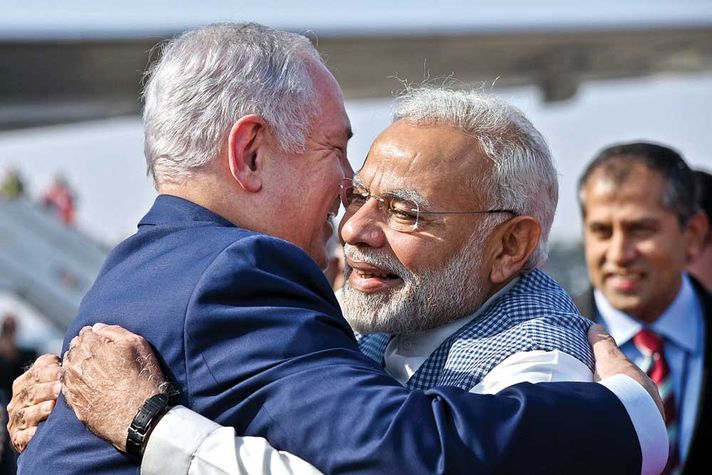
(400, 215)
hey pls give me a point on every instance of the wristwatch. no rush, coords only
(143, 423)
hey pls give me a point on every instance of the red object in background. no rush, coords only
(60, 198)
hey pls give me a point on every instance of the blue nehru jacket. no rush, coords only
(249, 330)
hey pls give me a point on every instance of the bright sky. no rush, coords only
(89, 18)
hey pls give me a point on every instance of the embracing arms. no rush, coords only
(106, 354)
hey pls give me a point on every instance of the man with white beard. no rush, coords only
(441, 275)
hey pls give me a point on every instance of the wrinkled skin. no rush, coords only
(109, 372)
(106, 364)
(610, 361)
(33, 397)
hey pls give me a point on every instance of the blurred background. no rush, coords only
(71, 144)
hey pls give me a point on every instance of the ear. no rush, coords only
(246, 141)
(696, 231)
(514, 242)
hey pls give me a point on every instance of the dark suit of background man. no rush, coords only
(701, 266)
(246, 137)
(642, 226)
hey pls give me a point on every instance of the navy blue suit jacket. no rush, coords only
(248, 328)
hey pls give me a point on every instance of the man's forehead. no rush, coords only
(645, 189)
(625, 206)
(333, 121)
(384, 174)
(398, 188)
(423, 153)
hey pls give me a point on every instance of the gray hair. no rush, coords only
(206, 79)
(523, 178)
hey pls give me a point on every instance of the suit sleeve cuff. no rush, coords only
(646, 419)
(174, 440)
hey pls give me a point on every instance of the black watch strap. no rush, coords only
(144, 421)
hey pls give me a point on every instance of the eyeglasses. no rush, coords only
(400, 213)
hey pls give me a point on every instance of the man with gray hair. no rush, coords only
(244, 323)
(464, 306)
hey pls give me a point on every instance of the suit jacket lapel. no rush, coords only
(697, 458)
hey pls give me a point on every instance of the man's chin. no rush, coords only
(363, 311)
(371, 328)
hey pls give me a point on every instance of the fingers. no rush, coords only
(108, 333)
(24, 419)
(46, 360)
(598, 333)
(34, 395)
(113, 332)
(603, 344)
(39, 383)
(132, 341)
(33, 398)
(45, 369)
(30, 416)
(611, 361)
(82, 346)
(47, 374)
(21, 438)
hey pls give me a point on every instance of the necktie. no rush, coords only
(650, 345)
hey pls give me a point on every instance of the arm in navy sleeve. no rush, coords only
(269, 353)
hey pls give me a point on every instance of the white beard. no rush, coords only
(424, 301)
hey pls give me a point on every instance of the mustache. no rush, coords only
(375, 257)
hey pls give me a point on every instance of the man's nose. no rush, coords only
(346, 170)
(365, 226)
(621, 249)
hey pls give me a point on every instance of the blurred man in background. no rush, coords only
(642, 227)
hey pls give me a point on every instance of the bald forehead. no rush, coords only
(441, 141)
(439, 162)
(409, 150)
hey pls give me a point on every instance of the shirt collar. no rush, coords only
(679, 322)
(422, 344)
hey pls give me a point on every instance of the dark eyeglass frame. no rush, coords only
(385, 205)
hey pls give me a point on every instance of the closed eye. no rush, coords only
(403, 211)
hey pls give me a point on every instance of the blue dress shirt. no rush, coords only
(682, 327)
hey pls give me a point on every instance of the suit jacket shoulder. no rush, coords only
(155, 283)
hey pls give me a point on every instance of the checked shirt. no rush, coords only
(535, 314)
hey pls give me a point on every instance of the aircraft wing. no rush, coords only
(50, 81)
